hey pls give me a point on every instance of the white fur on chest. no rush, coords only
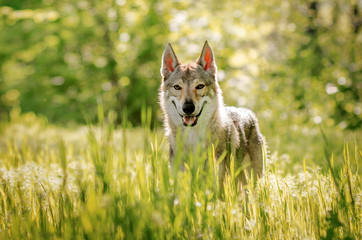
(194, 137)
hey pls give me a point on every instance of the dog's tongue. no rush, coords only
(189, 120)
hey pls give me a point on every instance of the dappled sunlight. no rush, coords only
(82, 153)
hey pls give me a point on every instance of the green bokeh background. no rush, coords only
(297, 64)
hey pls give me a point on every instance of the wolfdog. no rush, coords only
(192, 103)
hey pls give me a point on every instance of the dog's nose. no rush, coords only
(188, 107)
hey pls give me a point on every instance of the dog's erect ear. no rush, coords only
(207, 60)
(169, 61)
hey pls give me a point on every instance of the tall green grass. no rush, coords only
(103, 182)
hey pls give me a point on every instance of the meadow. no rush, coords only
(82, 149)
(106, 182)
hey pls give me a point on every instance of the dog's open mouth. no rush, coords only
(189, 120)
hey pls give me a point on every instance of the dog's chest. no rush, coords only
(195, 137)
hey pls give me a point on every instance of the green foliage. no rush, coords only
(56, 58)
(290, 61)
(297, 64)
(107, 183)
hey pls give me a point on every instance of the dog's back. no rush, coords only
(247, 137)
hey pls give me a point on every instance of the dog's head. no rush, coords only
(189, 90)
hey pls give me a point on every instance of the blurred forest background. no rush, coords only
(297, 64)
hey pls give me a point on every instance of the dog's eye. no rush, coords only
(177, 87)
(200, 86)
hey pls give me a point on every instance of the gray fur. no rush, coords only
(235, 130)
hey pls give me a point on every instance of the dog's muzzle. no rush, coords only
(189, 120)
